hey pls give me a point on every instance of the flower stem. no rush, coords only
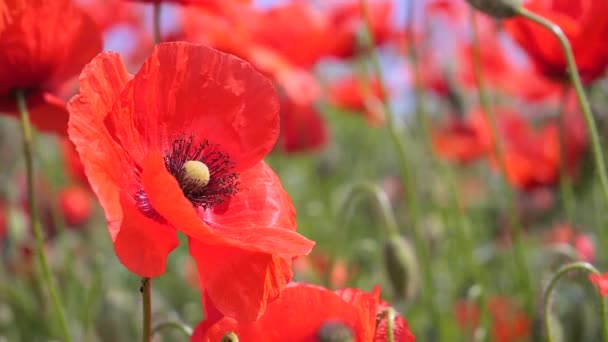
(382, 204)
(27, 132)
(581, 266)
(146, 291)
(565, 182)
(157, 32)
(182, 327)
(428, 281)
(513, 222)
(580, 92)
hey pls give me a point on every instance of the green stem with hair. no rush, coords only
(422, 250)
(28, 153)
(146, 294)
(575, 266)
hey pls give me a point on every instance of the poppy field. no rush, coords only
(298, 170)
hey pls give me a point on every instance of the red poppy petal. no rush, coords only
(313, 306)
(45, 43)
(101, 82)
(47, 112)
(168, 200)
(261, 202)
(185, 88)
(142, 244)
(240, 283)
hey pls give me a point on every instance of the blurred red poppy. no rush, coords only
(43, 44)
(462, 140)
(601, 282)
(179, 147)
(75, 205)
(585, 25)
(302, 127)
(72, 162)
(509, 322)
(360, 96)
(321, 313)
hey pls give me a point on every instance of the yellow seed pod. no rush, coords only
(196, 171)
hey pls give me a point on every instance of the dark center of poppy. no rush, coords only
(334, 331)
(204, 173)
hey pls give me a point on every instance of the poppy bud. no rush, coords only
(496, 8)
(197, 172)
(230, 337)
(401, 266)
(335, 332)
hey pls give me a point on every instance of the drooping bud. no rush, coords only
(333, 331)
(230, 337)
(401, 267)
(496, 8)
(197, 172)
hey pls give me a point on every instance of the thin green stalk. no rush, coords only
(28, 153)
(177, 325)
(565, 182)
(445, 175)
(381, 201)
(157, 32)
(146, 294)
(580, 93)
(513, 222)
(575, 266)
(428, 281)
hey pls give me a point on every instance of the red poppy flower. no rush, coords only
(462, 140)
(75, 205)
(346, 20)
(34, 60)
(302, 127)
(179, 147)
(585, 25)
(348, 312)
(601, 282)
(357, 95)
(509, 322)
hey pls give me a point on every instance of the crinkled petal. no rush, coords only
(312, 305)
(168, 200)
(143, 244)
(101, 83)
(184, 89)
(240, 283)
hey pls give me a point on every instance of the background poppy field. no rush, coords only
(440, 150)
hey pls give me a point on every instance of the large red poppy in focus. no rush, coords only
(305, 313)
(584, 23)
(145, 141)
(43, 44)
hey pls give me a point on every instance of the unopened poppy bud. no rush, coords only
(401, 267)
(197, 172)
(230, 337)
(335, 332)
(496, 8)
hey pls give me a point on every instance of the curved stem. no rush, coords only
(27, 131)
(382, 203)
(565, 182)
(580, 266)
(428, 280)
(157, 32)
(580, 92)
(513, 222)
(146, 294)
(182, 327)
